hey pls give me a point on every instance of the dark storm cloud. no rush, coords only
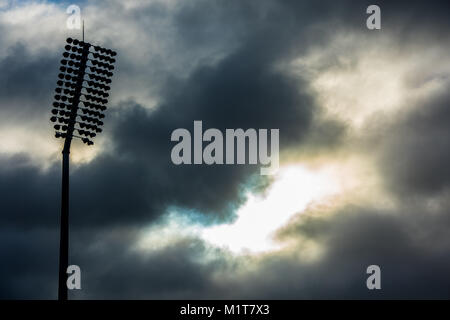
(405, 16)
(176, 272)
(241, 92)
(408, 246)
(415, 157)
(29, 262)
(30, 197)
(353, 238)
(27, 81)
(414, 18)
(231, 95)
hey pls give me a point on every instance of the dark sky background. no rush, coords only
(371, 107)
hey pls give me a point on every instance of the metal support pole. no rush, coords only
(64, 235)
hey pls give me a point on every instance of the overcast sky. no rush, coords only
(364, 151)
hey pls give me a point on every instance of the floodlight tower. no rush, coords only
(86, 72)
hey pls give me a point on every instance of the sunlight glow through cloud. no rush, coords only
(295, 187)
(369, 77)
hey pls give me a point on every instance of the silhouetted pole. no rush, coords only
(64, 235)
(74, 69)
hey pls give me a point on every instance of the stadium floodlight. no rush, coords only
(80, 100)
